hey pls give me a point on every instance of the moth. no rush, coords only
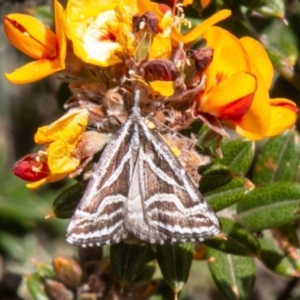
(139, 189)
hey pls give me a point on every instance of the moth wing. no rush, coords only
(98, 219)
(173, 210)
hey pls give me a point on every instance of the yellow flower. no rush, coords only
(61, 139)
(168, 26)
(101, 31)
(161, 46)
(37, 41)
(237, 87)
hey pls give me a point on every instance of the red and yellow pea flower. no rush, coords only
(237, 88)
(38, 42)
(62, 155)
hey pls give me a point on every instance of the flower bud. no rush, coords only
(68, 271)
(32, 167)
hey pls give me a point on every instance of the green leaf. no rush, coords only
(147, 271)
(43, 13)
(66, 202)
(272, 8)
(213, 177)
(127, 261)
(208, 139)
(229, 193)
(237, 155)
(35, 286)
(175, 263)
(238, 240)
(270, 206)
(276, 259)
(281, 43)
(278, 160)
(234, 275)
(45, 270)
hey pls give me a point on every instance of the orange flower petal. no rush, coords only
(199, 30)
(226, 92)
(51, 178)
(229, 56)
(204, 3)
(30, 36)
(34, 71)
(255, 123)
(68, 127)
(283, 115)
(165, 88)
(146, 6)
(187, 2)
(259, 58)
(60, 34)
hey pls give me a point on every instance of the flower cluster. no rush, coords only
(109, 49)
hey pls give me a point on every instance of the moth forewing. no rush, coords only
(139, 188)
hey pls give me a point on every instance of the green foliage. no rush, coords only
(234, 275)
(272, 8)
(253, 186)
(175, 262)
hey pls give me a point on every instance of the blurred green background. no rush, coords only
(25, 236)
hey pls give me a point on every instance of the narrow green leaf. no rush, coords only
(66, 202)
(281, 43)
(213, 177)
(127, 261)
(270, 206)
(234, 275)
(273, 8)
(175, 263)
(205, 135)
(45, 270)
(229, 193)
(236, 239)
(35, 286)
(276, 259)
(278, 160)
(237, 155)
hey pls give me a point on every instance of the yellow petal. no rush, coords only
(204, 3)
(255, 123)
(60, 33)
(161, 47)
(283, 115)
(94, 27)
(73, 123)
(34, 71)
(226, 92)
(30, 36)
(50, 178)
(260, 59)
(165, 88)
(187, 2)
(145, 6)
(36, 184)
(226, 61)
(60, 159)
(199, 30)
